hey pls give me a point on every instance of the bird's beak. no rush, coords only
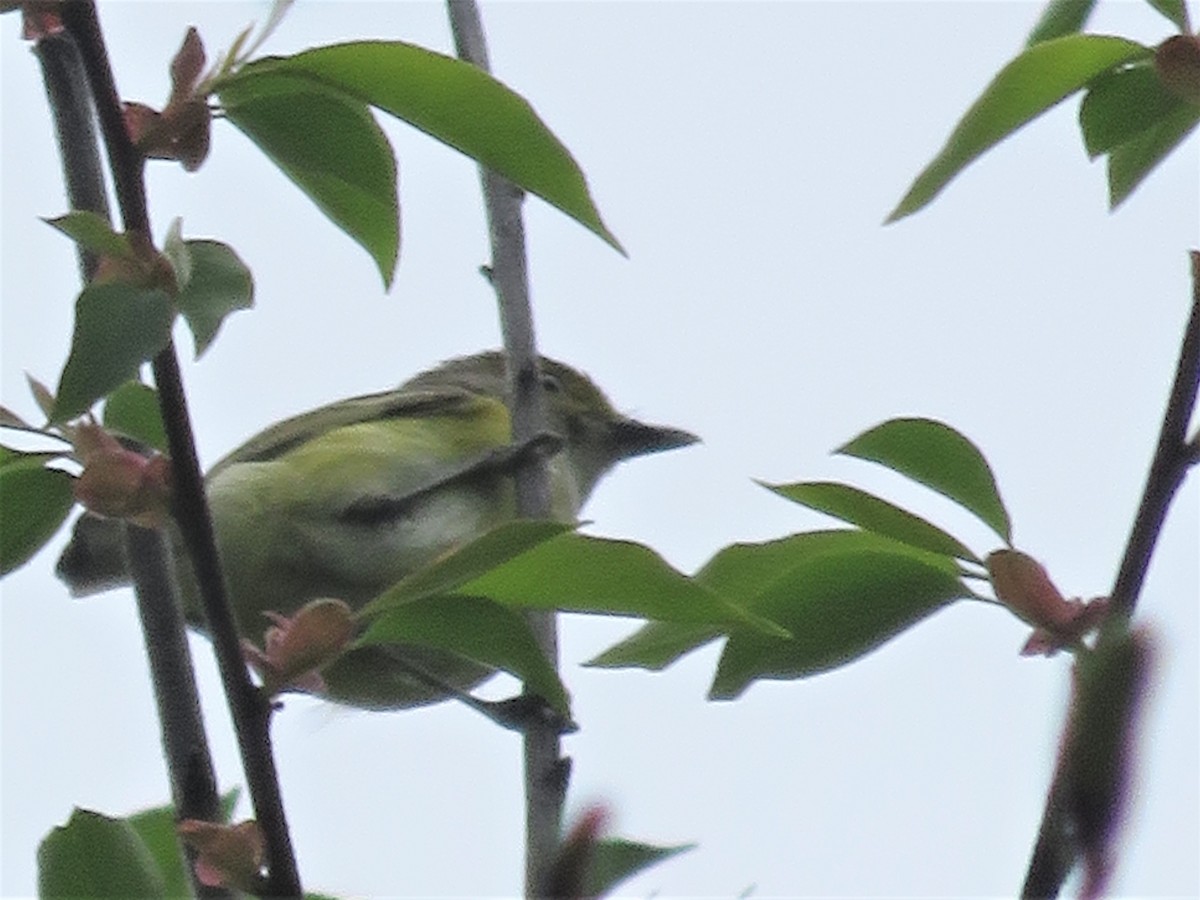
(634, 438)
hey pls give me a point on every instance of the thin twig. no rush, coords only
(193, 781)
(249, 710)
(1056, 850)
(546, 772)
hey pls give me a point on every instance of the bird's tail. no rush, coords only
(94, 560)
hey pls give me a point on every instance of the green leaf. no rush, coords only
(939, 457)
(219, 284)
(1175, 10)
(25, 459)
(117, 328)
(176, 253)
(478, 629)
(578, 573)
(93, 232)
(838, 606)
(96, 857)
(1133, 160)
(743, 574)
(466, 563)
(1122, 105)
(873, 514)
(156, 828)
(330, 145)
(132, 411)
(1060, 18)
(615, 860)
(1043, 75)
(655, 646)
(34, 502)
(460, 105)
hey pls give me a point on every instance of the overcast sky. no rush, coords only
(746, 156)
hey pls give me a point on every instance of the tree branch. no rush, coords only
(250, 711)
(546, 771)
(1172, 459)
(194, 792)
(1056, 849)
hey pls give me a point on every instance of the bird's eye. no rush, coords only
(551, 384)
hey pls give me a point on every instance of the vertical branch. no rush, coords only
(1056, 849)
(185, 745)
(74, 127)
(1172, 458)
(546, 772)
(249, 709)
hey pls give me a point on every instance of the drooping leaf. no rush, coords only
(871, 513)
(1042, 76)
(1060, 18)
(1175, 11)
(579, 573)
(219, 284)
(92, 232)
(478, 629)
(1121, 105)
(457, 103)
(330, 145)
(466, 563)
(615, 860)
(132, 411)
(97, 857)
(117, 328)
(838, 606)
(34, 502)
(1133, 160)
(939, 457)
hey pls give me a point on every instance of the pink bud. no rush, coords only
(121, 483)
(297, 647)
(1022, 584)
(227, 855)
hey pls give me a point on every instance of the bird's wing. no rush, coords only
(289, 434)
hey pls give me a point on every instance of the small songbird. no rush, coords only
(346, 500)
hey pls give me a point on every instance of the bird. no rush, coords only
(347, 499)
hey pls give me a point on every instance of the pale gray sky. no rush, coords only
(745, 154)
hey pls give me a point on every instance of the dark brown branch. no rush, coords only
(1056, 850)
(546, 772)
(250, 711)
(74, 127)
(1172, 458)
(194, 792)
